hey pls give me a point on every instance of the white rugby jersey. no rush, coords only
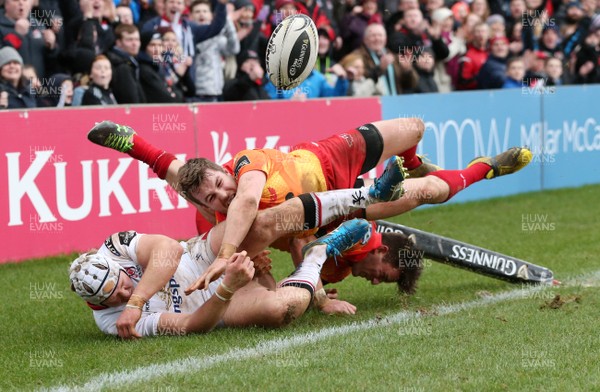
(197, 256)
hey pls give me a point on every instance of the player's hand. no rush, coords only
(240, 270)
(127, 322)
(262, 263)
(211, 274)
(336, 306)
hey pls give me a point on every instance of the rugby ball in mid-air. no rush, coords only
(292, 51)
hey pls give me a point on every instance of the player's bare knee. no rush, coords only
(416, 128)
(290, 305)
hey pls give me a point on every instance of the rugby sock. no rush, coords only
(458, 180)
(411, 160)
(307, 274)
(321, 208)
(158, 160)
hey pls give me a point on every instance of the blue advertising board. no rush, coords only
(559, 125)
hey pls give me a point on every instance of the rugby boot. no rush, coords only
(507, 162)
(348, 234)
(388, 186)
(424, 168)
(111, 135)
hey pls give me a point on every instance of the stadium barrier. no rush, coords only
(560, 125)
(64, 194)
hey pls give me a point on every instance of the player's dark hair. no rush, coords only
(192, 174)
(402, 254)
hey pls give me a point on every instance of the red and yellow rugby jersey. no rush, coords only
(288, 174)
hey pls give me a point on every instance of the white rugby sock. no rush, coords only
(307, 274)
(321, 208)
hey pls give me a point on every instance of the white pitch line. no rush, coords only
(190, 364)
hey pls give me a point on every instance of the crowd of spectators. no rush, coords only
(57, 53)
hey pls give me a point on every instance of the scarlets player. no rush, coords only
(262, 178)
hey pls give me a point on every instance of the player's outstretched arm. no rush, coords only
(240, 216)
(239, 272)
(242, 211)
(159, 258)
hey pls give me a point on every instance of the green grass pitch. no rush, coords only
(526, 343)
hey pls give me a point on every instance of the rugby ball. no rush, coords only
(292, 51)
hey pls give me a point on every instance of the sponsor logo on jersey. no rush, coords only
(134, 272)
(175, 289)
(125, 237)
(357, 197)
(243, 161)
(109, 244)
(349, 140)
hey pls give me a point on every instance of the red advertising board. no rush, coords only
(228, 128)
(65, 194)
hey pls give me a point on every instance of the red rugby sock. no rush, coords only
(458, 180)
(411, 160)
(159, 160)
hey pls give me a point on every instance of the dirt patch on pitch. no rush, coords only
(558, 302)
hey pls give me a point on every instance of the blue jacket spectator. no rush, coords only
(515, 72)
(493, 72)
(315, 86)
(512, 83)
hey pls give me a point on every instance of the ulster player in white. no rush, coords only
(142, 277)
(135, 282)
